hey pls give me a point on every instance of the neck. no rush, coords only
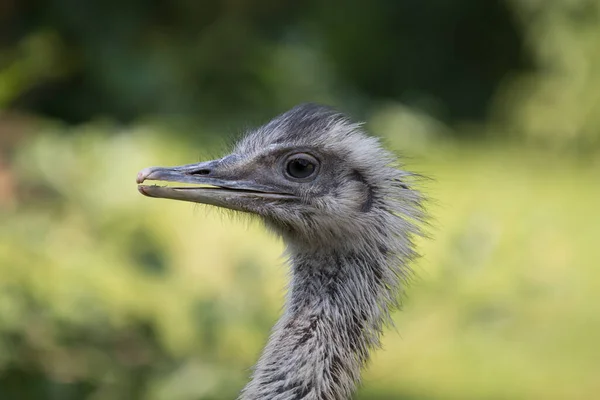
(337, 305)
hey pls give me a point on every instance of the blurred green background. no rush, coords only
(105, 294)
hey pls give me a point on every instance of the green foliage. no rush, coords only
(105, 294)
(100, 289)
(520, 69)
(558, 106)
(230, 60)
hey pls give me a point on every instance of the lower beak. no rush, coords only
(216, 190)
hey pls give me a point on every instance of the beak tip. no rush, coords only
(142, 175)
(142, 190)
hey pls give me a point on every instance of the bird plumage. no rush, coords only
(347, 212)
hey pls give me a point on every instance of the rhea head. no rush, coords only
(312, 175)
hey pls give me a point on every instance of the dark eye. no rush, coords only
(301, 166)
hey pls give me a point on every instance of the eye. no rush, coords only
(301, 166)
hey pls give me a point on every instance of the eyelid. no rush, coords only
(301, 154)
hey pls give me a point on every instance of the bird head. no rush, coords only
(311, 174)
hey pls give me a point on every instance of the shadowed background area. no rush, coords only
(105, 294)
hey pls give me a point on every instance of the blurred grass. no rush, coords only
(143, 298)
(504, 306)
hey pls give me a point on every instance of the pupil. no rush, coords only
(300, 168)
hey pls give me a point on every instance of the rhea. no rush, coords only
(348, 214)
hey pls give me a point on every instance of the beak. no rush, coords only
(218, 188)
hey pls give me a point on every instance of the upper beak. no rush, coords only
(223, 190)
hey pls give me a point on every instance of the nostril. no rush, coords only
(201, 172)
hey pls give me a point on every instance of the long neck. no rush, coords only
(335, 311)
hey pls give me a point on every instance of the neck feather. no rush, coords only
(337, 306)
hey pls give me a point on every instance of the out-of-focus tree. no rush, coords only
(77, 60)
(559, 105)
(533, 66)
